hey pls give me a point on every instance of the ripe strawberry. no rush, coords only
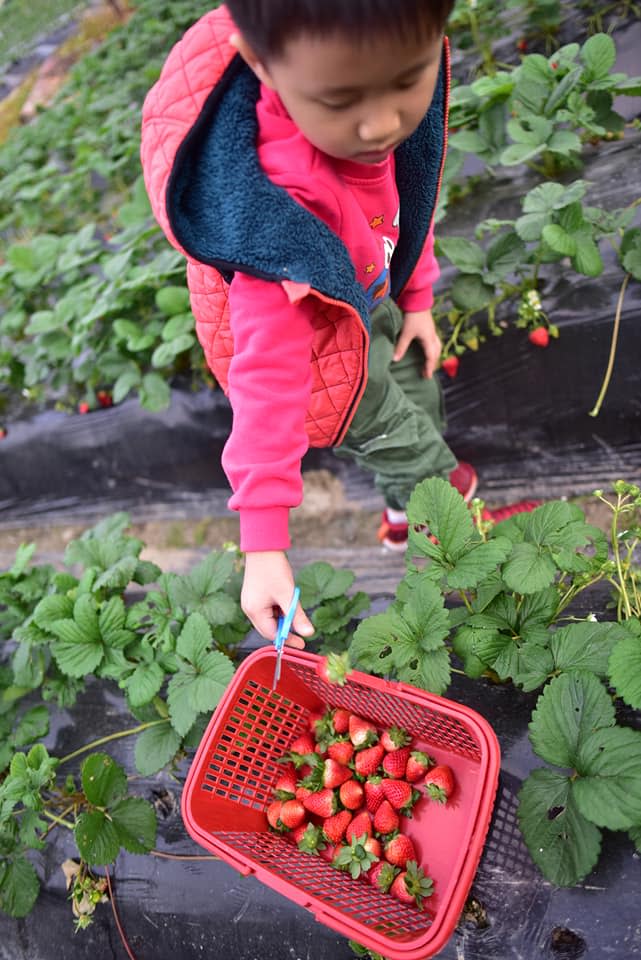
(368, 761)
(329, 773)
(351, 794)
(382, 875)
(360, 826)
(292, 814)
(539, 337)
(521, 45)
(412, 885)
(395, 763)
(323, 731)
(400, 794)
(374, 846)
(323, 803)
(341, 751)
(334, 827)
(286, 786)
(362, 733)
(302, 792)
(3, 433)
(83, 407)
(273, 814)
(334, 668)
(309, 838)
(303, 745)
(341, 720)
(450, 366)
(314, 717)
(328, 852)
(417, 765)
(374, 794)
(439, 783)
(104, 398)
(394, 737)
(399, 850)
(386, 819)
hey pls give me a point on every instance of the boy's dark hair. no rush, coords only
(268, 24)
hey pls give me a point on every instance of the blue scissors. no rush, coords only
(284, 624)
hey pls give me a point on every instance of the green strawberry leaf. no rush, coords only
(464, 646)
(478, 563)
(96, 837)
(144, 683)
(563, 844)
(33, 725)
(585, 646)
(599, 55)
(155, 748)
(529, 568)
(371, 646)
(608, 791)
(624, 669)
(103, 780)
(135, 822)
(320, 581)
(435, 503)
(19, 887)
(571, 706)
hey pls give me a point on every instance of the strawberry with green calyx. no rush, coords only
(417, 765)
(314, 717)
(301, 760)
(450, 365)
(395, 737)
(351, 794)
(302, 792)
(374, 794)
(301, 746)
(374, 846)
(324, 731)
(399, 850)
(334, 827)
(341, 720)
(540, 336)
(400, 794)
(273, 815)
(386, 819)
(341, 750)
(395, 763)
(382, 875)
(292, 814)
(328, 852)
(328, 774)
(362, 733)
(334, 668)
(367, 761)
(322, 804)
(439, 783)
(412, 886)
(355, 858)
(309, 838)
(286, 786)
(361, 825)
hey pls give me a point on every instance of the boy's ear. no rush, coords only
(251, 58)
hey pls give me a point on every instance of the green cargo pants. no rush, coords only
(397, 429)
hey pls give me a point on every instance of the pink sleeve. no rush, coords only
(417, 293)
(269, 390)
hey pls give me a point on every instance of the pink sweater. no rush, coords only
(270, 373)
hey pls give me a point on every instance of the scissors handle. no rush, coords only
(284, 624)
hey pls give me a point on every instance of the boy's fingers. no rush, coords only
(302, 627)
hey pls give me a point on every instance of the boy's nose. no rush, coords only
(380, 126)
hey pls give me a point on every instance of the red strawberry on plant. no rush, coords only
(417, 765)
(83, 407)
(382, 875)
(374, 794)
(104, 398)
(539, 336)
(359, 826)
(341, 751)
(323, 803)
(367, 762)
(439, 783)
(362, 733)
(450, 365)
(334, 668)
(412, 885)
(395, 763)
(521, 45)
(292, 814)
(334, 827)
(399, 850)
(309, 838)
(394, 737)
(341, 720)
(3, 433)
(351, 794)
(386, 819)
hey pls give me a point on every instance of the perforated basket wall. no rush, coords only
(230, 785)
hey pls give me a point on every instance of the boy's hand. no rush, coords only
(420, 326)
(267, 590)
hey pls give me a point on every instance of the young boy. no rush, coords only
(293, 151)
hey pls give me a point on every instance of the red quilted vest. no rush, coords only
(177, 110)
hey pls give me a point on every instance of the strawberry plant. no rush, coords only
(509, 587)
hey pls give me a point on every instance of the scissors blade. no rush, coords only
(284, 624)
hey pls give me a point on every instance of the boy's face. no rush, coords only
(353, 101)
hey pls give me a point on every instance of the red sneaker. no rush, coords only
(393, 536)
(502, 513)
(464, 479)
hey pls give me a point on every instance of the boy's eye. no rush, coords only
(336, 104)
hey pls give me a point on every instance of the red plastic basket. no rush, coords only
(230, 785)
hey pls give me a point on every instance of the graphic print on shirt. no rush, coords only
(379, 288)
